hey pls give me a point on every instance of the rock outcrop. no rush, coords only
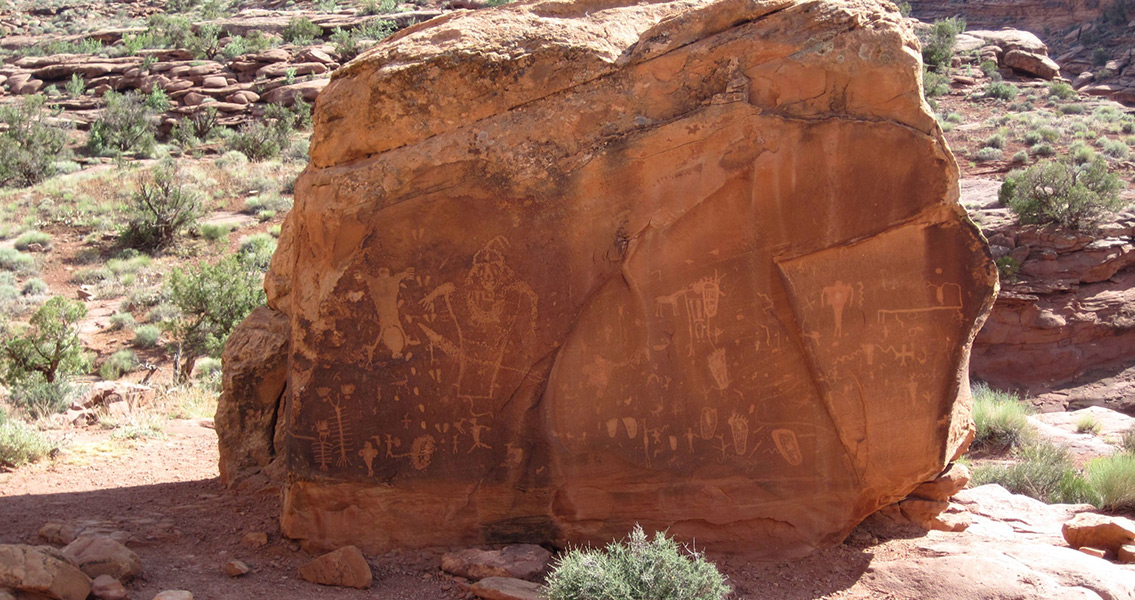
(1063, 318)
(1033, 15)
(558, 268)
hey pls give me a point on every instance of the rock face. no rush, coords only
(558, 268)
(1033, 15)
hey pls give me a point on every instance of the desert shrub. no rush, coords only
(378, 7)
(1114, 148)
(349, 43)
(996, 140)
(637, 569)
(16, 261)
(119, 364)
(1073, 109)
(34, 287)
(32, 237)
(256, 250)
(214, 232)
(300, 30)
(21, 443)
(938, 41)
(76, 86)
(29, 146)
(208, 373)
(1112, 478)
(1088, 424)
(1042, 150)
(146, 336)
(212, 300)
(934, 83)
(988, 154)
(125, 125)
(1021, 157)
(1000, 418)
(988, 68)
(121, 320)
(257, 140)
(1001, 90)
(1044, 471)
(197, 127)
(1007, 268)
(275, 231)
(1072, 196)
(1127, 441)
(163, 206)
(49, 345)
(38, 398)
(1081, 153)
(158, 100)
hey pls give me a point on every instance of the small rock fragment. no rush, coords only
(174, 595)
(345, 567)
(106, 587)
(506, 588)
(103, 555)
(58, 533)
(255, 539)
(236, 568)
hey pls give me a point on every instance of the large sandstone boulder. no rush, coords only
(42, 572)
(561, 267)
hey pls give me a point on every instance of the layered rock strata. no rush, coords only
(563, 267)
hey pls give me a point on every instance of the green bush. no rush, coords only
(258, 141)
(256, 250)
(1001, 90)
(1114, 148)
(212, 299)
(300, 30)
(637, 569)
(21, 443)
(1000, 419)
(121, 320)
(208, 373)
(163, 206)
(1127, 441)
(1021, 157)
(1072, 196)
(1044, 471)
(934, 83)
(119, 364)
(938, 42)
(214, 232)
(49, 345)
(1113, 480)
(32, 237)
(197, 127)
(1061, 90)
(1088, 424)
(30, 146)
(34, 287)
(988, 154)
(1042, 150)
(996, 140)
(125, 125)
(38, 398)
(16, 261)
(146, 336)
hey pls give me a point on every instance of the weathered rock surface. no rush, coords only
(345, 567)
(174, 595)
(1033, 15)
(673, 284)
(255, 358)
(41, 570)
(1031, 63)
(521, 561)
(1012, 549)
(236, 568)
(106, 587)
(102, 555)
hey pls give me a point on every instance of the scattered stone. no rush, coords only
(236, 568)
(106, 587)
(101, 555)
(506, 588)
(345, 567)
(1099, 531)
(59, 533)
(215, 81)
(1090, 551)
(951, 481)
(287, 94)
(521, 561)
(255, 539)
(174, 595)
(41, 570)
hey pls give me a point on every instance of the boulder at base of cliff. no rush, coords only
(557, 268)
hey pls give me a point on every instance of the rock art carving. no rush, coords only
(663, 275)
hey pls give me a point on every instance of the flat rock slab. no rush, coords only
(506, 588)
(651, 265)
(522, 561)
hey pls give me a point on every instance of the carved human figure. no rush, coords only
(383, 289)
(837, 296)
(368, 453)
